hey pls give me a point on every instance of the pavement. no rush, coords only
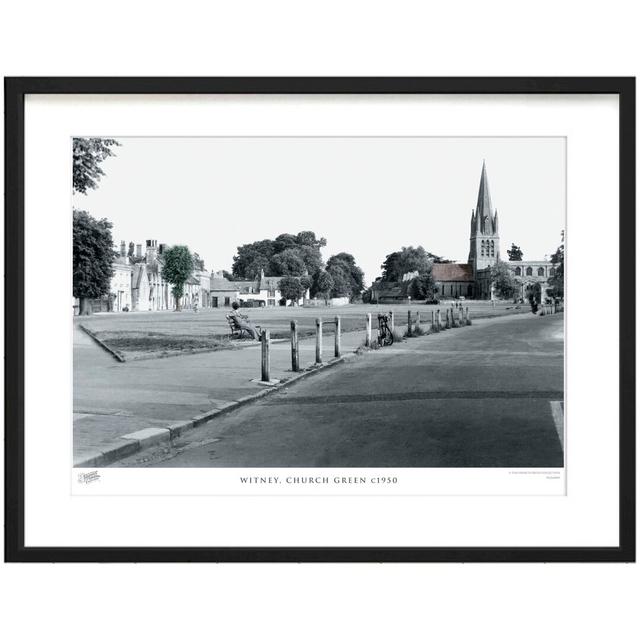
(486, 395)
(160, 398)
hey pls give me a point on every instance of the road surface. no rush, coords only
(488, 395)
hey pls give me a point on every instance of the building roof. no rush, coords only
(452, 272)
(484, 206)
(222, 284)
(269, 282)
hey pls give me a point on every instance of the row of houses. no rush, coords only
(263, 291)
(137, 285)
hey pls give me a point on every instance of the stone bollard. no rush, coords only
(409, 327)
(466, 313)
(392, 325)
(318, 340)
(448, 324)
(438, 322)
(367, 340)
(433, 321)
(265, 339)
(337, 351)
(460, 317)
(295, 351)
(418, 327)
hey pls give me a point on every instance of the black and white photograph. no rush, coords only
(315, 303)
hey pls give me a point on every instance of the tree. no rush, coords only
(556, 281)
(88, 154)
(322, 285)
(422, 287)
(287, 263)
(176, 269)
(341, 280)
(228, 276)
(198, 262)
(253, 257)
(308, 238)
(311, 258)
(306, 281)
(291, 288)
(347, 264)
(406, 260)
(515, 253)
(92, 258)
(503, 280)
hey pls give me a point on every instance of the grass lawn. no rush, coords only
(166, 333)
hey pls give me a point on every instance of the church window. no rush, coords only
(529, 271)
(552, 271)
(518, 271)
(492, 248)
(540, 271)
(482, 248)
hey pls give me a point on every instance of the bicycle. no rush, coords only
(385, 337)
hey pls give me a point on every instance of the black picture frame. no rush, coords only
(15, 91)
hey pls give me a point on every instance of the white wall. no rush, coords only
(333, 38)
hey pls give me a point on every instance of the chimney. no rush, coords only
(138, 251)
(123, 249)
(161, 248)
(152, 250)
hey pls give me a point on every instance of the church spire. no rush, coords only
(484, 208)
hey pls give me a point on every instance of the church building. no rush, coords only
(472, 279)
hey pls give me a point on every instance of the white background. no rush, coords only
(333, 38)
(587, 516)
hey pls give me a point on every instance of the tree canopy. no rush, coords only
(348, 278)
(556, 281)
(292, 288)
(286, 255)
(88, 154)
(407, 260)
(504, 281)
(177, 267)
(287, 263)
(422, 287)
(92, 257)
(515, 253)
(198, 262)
(322, 285)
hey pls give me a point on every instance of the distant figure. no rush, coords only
(242, 322)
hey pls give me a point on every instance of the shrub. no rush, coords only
(397, 335)
(419, 330)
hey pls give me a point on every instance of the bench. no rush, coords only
(235, 330)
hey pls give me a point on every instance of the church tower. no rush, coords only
(484, 248)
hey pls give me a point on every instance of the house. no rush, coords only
(222, 292)
(120, 286)
(264, 291)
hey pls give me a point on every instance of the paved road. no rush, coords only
(489, 395)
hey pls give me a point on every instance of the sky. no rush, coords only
(366, 196)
